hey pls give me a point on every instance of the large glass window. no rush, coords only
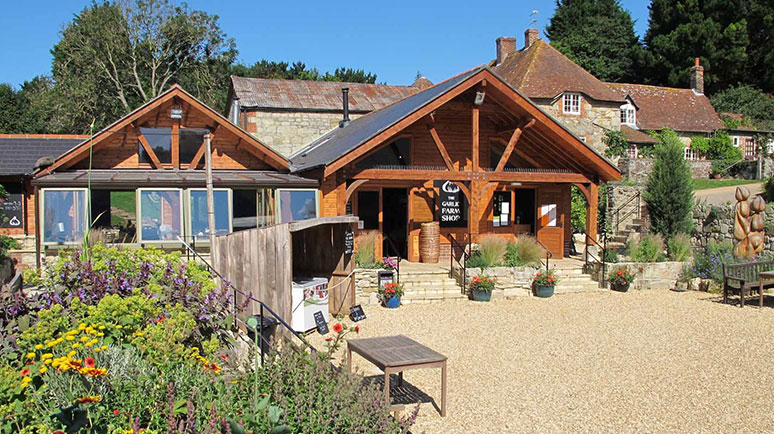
(64, 215)
(199, 222)
(160, 141)
(297, 205)
(243, 210)
(159, 214)
(190, 142)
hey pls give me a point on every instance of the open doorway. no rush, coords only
(395, 220)
(524, 211)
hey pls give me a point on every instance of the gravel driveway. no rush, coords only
(644, 361)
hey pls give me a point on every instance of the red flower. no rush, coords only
(161, 318)
(58, 432)
(89, 362)
(357, 329)
(116, 411)
(329, 339)
(30, 363)
(337, 328)
(224, 357)
(25, 372)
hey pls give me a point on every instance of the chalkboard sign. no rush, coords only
(11, 211)
(356, 313)
(349, 242)
(319, 320)
(452, 205)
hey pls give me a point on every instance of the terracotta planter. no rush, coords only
(544, 291)
(482, 295)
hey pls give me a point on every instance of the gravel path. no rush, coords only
(644, 361)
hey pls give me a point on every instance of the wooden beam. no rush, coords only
(198, 156)
(475, 138)
(511, 144)
(351, 189)
(441, 148)
(149, 151)
(463, 188)
(521, 154)
(592, 211)
(176, 144)
(432, 175)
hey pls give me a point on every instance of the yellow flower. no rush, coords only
(43, 369)
(100, 334)
(139, 334)
(119, 326)
(70, 338)
(46, 356)
(25, 382)
(101, 327)
(103, 348)
(38, 347)
(72, 332)
(88, 399)
(30, 355)
(93, 341)
(84, 339)
(71, 354)
(76, 345)
(50, 344)
(47, 361)
(96, 350)
(81, 326)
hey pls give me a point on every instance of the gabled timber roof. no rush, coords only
(20, 152)
(542, 71)
(81, 151)
(660, 107)
(328, 149)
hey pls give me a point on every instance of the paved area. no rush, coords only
(724, 195)
(644, 361)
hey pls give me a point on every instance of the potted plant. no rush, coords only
(544, 283)
(481, 288)
(390, 294)
(620, 279)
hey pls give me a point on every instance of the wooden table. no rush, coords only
(763, 275)
(395, 354)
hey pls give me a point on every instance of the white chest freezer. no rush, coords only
(309, 295)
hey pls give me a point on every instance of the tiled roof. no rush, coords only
(541, 71)
(661, 107)
(18, 153)
(636, 136)
(315, 95)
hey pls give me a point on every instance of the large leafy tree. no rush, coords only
(597, 35)
(744, 99)
(11, 108)
(115, 56)
(299, 71)
(669, 194)
(733, 38)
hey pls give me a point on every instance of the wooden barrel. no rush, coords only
(430, 242)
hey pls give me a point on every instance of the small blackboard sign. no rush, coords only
(356, 313)
(349, 242)
(11, 211)
(319, 320)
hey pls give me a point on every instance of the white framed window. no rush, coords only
(296, 204)
(736, 140)
(634, 151)
(691, 154)
(63, 218)
(571, 103)
(197, 218)
(159, 214)
(629, 115)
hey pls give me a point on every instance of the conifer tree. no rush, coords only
(669, 193)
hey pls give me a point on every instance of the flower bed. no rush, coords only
(139, 341)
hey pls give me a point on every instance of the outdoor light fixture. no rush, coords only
(176, 112)
(515, 184)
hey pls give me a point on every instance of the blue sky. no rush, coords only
(392, 39)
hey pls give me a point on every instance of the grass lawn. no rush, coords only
(703, 184)
(125, 201)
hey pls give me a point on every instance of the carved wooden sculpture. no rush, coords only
(749, 224)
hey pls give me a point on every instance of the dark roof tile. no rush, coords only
(18, 155)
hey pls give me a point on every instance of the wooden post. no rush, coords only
(475, 156)
(176, 144)
(591, 212)
(210, 194)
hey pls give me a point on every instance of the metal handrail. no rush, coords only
(637, 209)
(464, 264)
(601, 259)
(548, 252)
(392, 246)
(250, 299)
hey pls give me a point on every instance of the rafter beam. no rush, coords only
(149, 151)
(198, 156)
(511, 144)
(352, 187)
(432, 175)
(438, 143)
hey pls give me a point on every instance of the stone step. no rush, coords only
(406, 281)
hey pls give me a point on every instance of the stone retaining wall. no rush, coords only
(509, 281)
(716, 223)
(651, 275)
(366, 285)
(638, 169)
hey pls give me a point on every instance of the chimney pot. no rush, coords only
(505, 46)
(345, 102)
(530, 37)
(697, 78)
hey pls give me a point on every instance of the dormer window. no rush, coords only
(571, 103)
(628, 115)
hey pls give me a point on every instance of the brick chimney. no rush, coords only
(530, 36)
(697, 78)
(505, 46)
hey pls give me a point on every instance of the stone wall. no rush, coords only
(638, 169)
(650, 275)
(622, 196)
(366, 285)
(509, 281)
(596, 117)
(716, 223)
(25, 254)
(289, 131)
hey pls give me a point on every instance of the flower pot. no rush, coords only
(482, 295)
(392, 303)
(620, 287)
(544, 291)
(717, 176)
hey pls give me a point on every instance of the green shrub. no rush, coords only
(476, 261)
(492, 250)
(679, 248)
(708, 262)
(6, 244)
(718, 147)
(31, 276)
(768, 189)
(669, 193)
(611, 255)
(525, 251)
(649, 248)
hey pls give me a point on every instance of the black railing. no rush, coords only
(262, 307)
(392, 248)
(590, 259)
(462, 261)
(549, 255)
(637, 209)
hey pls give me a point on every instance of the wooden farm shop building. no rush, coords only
(471, 153)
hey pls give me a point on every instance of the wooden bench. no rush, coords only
(745, 278)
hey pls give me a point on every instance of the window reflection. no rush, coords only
(160, 215)
(64, 216)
